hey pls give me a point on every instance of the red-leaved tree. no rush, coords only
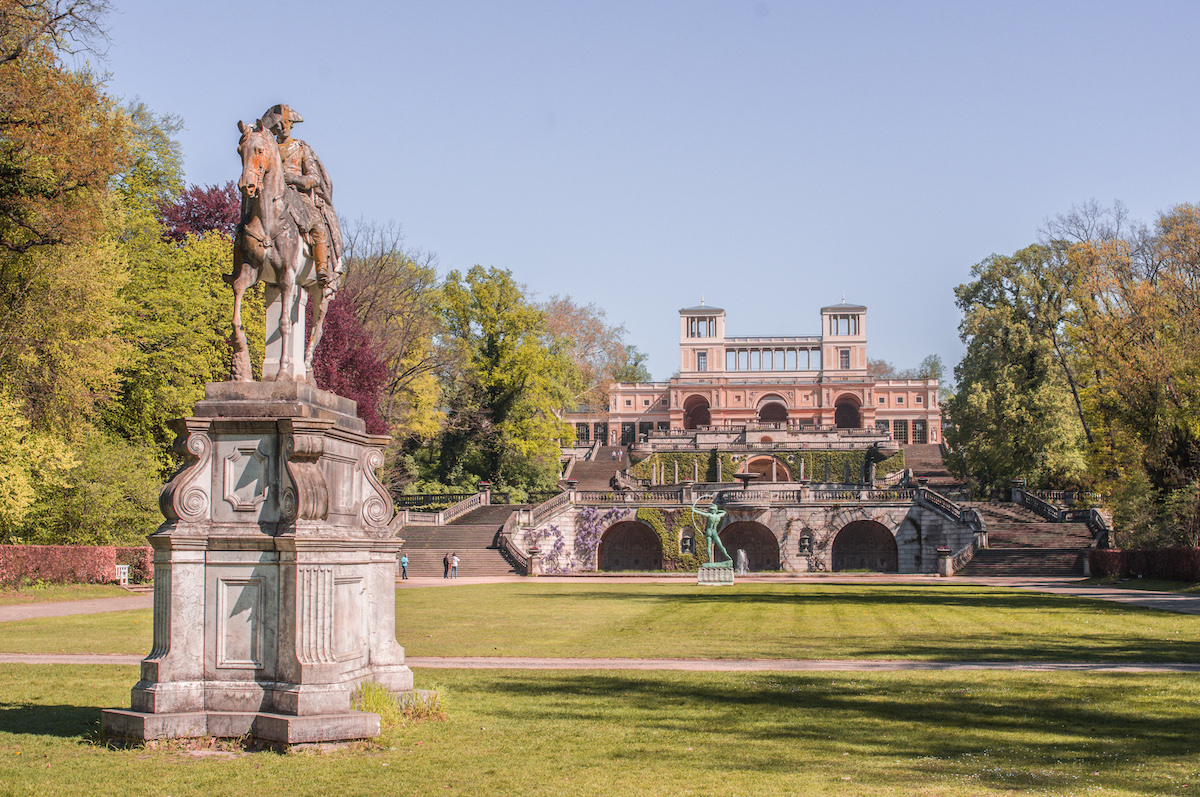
(347, 362)
(202, 209)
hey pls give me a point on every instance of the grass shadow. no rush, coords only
(48, 720)
(1022, 731)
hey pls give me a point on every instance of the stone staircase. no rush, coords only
(471, 536)
(597, 473)
(1023, 543)
(925, 459)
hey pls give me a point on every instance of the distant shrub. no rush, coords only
(1170, 564)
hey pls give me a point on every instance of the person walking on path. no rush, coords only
(404, 567)
(454, 565)
(446, 566)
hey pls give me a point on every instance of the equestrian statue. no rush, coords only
(289, 238)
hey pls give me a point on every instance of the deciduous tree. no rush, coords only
(514, 377)
(632, 367)
(200, 210)
(594, 346)
(346, 362)
(1012, 414)
(394, 291)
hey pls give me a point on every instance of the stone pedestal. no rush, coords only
(945, 562)
(715, 574)
(274, 574)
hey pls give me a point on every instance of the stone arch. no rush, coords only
(768, 468)
(759, 543)
(847, 412)
(630, 545)
(772, 409)
(865, 545)
(696, 412)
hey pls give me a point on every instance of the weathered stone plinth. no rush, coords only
(273, 574)
(715, 574)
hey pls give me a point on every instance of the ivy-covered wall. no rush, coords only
(669, 524)
(814, 464)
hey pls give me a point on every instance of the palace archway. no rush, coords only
(630, 545)
(772, 410)
(847, 412)
(760, 545)
(865, 545)
(695, 412)
(769, 469)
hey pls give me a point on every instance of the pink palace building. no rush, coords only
(784, 383)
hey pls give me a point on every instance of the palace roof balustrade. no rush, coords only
(783, 436)
(734, 495)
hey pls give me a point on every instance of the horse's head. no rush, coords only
(259, 152)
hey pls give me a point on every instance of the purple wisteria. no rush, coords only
(589, 527)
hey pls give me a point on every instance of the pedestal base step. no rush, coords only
(137, 726)
(715, 574)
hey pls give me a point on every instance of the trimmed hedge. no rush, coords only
(1169, 564)
(58, 564)
(72, 564)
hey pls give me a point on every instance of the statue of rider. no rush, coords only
(304, 172)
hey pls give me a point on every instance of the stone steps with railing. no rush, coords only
(1025, 562)
(486, 515)
(1023, 543)
(597, 473)
(472, 536)
(925, 461)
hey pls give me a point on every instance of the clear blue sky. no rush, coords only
(638, 154)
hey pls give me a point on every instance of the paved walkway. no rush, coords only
(685, 665)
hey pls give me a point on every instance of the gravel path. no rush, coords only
(687, 665)
(29, 611)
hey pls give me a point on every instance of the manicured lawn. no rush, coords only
(813, 621)
(604, 733)
(807, 621)
(110, 632)
(61, 592)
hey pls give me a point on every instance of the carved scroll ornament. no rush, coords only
(307, 497)
(185, 496)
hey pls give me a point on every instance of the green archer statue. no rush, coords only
(714, 515)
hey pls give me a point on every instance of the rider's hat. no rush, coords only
(279, 112)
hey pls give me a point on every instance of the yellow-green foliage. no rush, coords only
(394, 709)
(690, 463)
(32, 463)
(893, 464)
(668, 525)
(814, 464)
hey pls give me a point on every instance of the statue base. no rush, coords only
(274, 574)
(715, 574)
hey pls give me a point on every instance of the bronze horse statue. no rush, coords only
(269, 246)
